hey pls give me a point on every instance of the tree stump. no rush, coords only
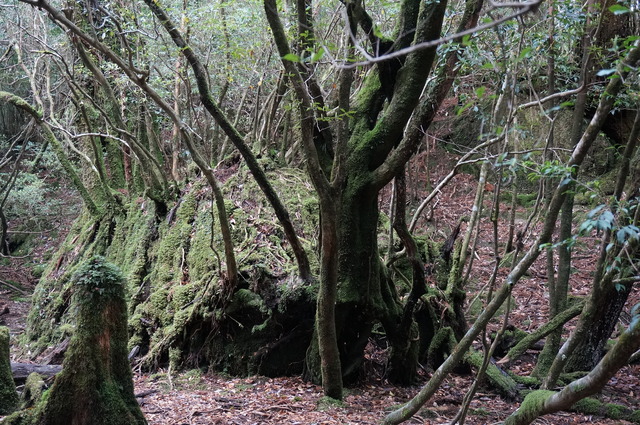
(95, 386)
(8, 395)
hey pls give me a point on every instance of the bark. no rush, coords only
(365, 293)
(4, 229)
(543, 402)
(558, 287)
(327, 344)
(586, 345)
(528, 341)
(403, 358)
(21, 371)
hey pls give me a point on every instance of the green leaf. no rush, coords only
(524, 53)
(291, 57)
(317, 55)
(617, 9)
(480, 91)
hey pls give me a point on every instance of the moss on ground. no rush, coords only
(593, 406)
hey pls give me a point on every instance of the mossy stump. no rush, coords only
(95, 386)
(34, 387)
(8, 395)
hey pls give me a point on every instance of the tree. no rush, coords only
(543, 402)
(614, 86)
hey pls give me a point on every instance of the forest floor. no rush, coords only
(195, 397)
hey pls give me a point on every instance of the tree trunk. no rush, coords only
(21, 371)
(365, 294)
(601, 320)
(543, 402)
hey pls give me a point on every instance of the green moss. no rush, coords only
(182, 317)
(498, 379)
(8, 395)
(531, 405)
(588, 406)
(327, 403)
(172, 273)
(480, 412)
(566, 378)
(441, 346)
(635, 417)
(33, 390)
(99, 391)
(615, 411)
(244, 298)
(529, 381)
(159, 301)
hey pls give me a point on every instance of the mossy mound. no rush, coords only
(593, 406)
(180, 308)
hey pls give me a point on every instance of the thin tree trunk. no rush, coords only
(57, 148)
(604, 107)
(544, 402)
(304, 268)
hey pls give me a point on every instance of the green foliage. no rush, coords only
(29, 200)
(97, 277)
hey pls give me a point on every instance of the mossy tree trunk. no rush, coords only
(95, 386)
(350, 166)
(611, 287)
(608, 302)
(605, 105)
(543, 402)
(559, 285)
(8, 395)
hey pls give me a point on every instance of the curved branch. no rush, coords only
(200, 74)
(22, 104)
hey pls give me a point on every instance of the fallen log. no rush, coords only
(20, 371)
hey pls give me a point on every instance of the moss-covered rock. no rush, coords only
(8, 395)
